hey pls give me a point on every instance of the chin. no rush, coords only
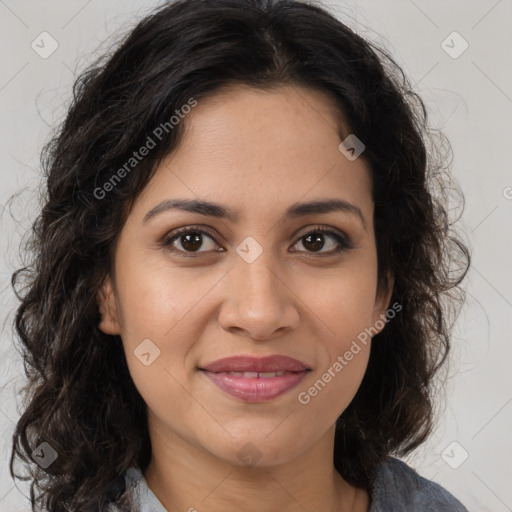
(258, 450)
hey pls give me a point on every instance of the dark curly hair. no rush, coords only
(79, 397)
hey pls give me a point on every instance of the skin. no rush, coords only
(257, 152)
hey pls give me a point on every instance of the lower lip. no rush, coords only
(255, 389)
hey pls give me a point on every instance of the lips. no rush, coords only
(256, 379)
(275, 363)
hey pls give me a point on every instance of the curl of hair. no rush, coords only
(79, 395)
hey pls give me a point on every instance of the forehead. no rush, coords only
(264, 147)
(285, 117)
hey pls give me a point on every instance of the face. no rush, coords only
(262, 282)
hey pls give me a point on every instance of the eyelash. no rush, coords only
(344, 242)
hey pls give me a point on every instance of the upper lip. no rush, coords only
(274, 363)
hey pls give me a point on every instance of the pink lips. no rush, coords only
(256, 379)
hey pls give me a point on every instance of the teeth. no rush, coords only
(265, 375)
(248, 375)
(253, 375)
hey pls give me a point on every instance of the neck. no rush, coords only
(187, 477)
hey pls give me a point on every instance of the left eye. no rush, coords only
(192, 239)
(316, 241)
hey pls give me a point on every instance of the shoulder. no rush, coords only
(398, 487)
(142, 497)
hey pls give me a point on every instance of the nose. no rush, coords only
(259, 301)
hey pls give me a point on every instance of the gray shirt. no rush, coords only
(397, 488)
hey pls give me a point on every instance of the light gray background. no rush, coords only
(469, 97)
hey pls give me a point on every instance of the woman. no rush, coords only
(241, 274)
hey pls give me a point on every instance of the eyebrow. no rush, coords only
(296, 210)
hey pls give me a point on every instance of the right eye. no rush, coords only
(190, 239)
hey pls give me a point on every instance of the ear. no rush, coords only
(382, 301)
(109, 323)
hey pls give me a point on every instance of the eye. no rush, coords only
(314, 241)
(190, 239)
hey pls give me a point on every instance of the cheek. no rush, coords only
(159, 387)
(165, 306)
(344, 307)
(343, 301)
(335, 384)
(158, 302)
